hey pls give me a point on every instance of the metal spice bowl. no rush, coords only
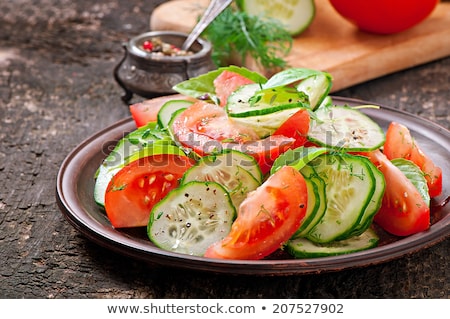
(149, 75)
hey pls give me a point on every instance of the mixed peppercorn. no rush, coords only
(157, 47)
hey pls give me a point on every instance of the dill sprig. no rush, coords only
(237, 33)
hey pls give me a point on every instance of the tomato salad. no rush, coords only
(244, 166)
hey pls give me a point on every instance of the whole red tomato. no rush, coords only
(384, 16)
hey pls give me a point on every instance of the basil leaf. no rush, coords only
(297, 158)
(203, 85)
(291, 76)
(415, 175)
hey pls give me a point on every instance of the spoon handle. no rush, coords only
(214, 9)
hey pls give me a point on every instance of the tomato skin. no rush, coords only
(226, 83)
(403, 212)
(147, 111)
(265, 151)
(205, 128)
(384, 16)
(400, 144)
(296, 127)
(267, 218)
(433, 173)
(138, 186)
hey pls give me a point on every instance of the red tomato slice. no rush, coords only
(206, 128)
(297, 127)
(147, 111)
(226, 83)
(264, 151)
(433, 173)
(400, 144)
(403, 211)
(203, 126)
(138, 186)
(267, 218)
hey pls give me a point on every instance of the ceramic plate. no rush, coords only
(75, 184)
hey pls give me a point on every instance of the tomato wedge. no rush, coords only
(297, 127)
(400, 144)
(138, 186)
(203, 126)
(403, 212)
(267, 218)
(226, 83)
(265, 151)
(147, 111)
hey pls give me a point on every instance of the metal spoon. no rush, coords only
(214, 9)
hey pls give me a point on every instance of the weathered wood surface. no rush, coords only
(56, 89)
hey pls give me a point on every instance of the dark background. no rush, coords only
(57, 88)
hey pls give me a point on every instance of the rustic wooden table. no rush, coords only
(57, 88)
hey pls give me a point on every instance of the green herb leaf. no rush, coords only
(297, 158)
(415, 175)
(292, 76)
(236, 32)
(203, 85)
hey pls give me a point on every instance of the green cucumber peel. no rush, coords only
(127, 150)
(279, 96)
(304, 248)
(345, 128)
(157, 148)
(252, 100)
(168, 110)
(297, 158)
(134, 141)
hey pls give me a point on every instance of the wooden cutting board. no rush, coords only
(334, 45)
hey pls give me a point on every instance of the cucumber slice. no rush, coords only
(266, 125)
(168, 109)
(321, 198)
(317, 88)
(296, 16)
(191, 218)
(346, 128)
(327, 102)
(304, 248)
(264, 110)
(252, 100)
(173, 137)
(174, 115)
(245, 161)
(123, 153)
(315, 84)
(312, 206)
(223, 169)
(374, 203)
(349, 187)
